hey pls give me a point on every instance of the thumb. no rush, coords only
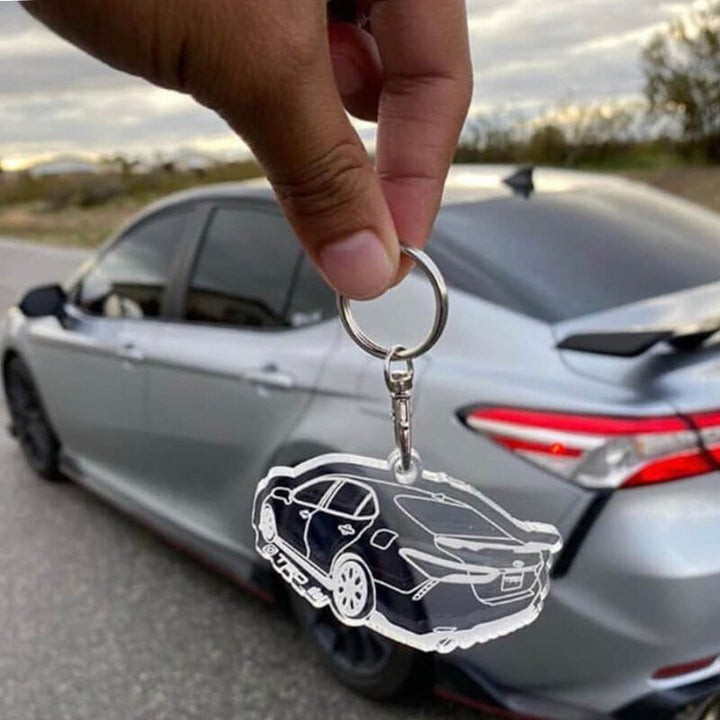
(324, 179)
(266, 68)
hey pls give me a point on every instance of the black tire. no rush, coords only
(30, 424)
(366, 662)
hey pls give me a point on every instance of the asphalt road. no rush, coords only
(100, 620)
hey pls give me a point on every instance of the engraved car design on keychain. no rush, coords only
(421, 558)
(416, 557)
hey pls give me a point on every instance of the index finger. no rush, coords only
(425, 54)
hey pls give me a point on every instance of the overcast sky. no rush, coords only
(529, 55)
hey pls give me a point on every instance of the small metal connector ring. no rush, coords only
(393, 380)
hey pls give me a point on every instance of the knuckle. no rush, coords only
(328, 184)
(465, 91)
(303, 48)
(450, 91)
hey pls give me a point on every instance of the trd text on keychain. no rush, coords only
(417, 556)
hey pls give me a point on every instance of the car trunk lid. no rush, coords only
(681, 369)
(671, 349)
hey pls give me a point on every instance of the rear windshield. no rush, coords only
(564, 255)
(450, 519)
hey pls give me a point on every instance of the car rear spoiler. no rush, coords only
(634, 343)
(684, 320)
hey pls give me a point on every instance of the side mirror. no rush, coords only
(283, 493)
(45, 301)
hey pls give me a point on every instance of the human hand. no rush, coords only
(279, 73)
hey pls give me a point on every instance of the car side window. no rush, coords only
(368, 507)
(349, 499)
(312, 299)
(314, 492)
(244, 271)
(130, 279)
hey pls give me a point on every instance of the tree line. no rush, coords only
(677, 122)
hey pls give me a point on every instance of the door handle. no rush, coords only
(270, 375)
(346, 530)
(305, 514)
(130, 352)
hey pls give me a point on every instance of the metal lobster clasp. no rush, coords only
(400, 385)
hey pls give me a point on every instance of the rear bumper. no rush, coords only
(666, 704)
(641, 595)
(464, 685)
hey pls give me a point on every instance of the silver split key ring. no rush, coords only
(424, 262)
(404, 461)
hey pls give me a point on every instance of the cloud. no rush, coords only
(528, 57)
(137, 120)
(538, 54)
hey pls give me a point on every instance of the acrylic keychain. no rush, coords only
(417, 556)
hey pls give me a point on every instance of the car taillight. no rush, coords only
(600, 451)
(708, 425)
(673, 671)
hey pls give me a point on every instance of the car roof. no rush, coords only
(396, 489)
(465, 184)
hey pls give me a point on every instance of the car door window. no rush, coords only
(312, 299)
(130, 279)
(348, 499)
(368, 508)
(313, 493)
(244, 270)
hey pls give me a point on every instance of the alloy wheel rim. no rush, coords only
(351, 591)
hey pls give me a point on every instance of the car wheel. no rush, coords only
(268, 525)
(30, 424)
(353, 593)
(366, 662)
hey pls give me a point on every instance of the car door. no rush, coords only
(92, 366)
(304, 504)
(340, 522)
(231, 377)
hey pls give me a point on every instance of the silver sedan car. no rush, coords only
(577, 383)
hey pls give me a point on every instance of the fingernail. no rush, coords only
(357, 266)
